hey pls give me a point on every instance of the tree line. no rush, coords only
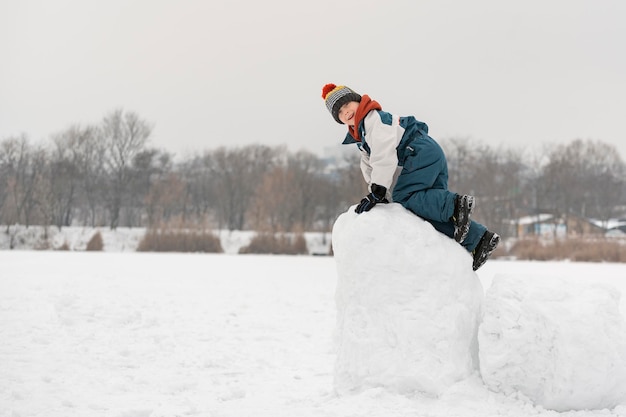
(107, 175)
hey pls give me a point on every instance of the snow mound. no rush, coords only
(559, 342)
(408, 304)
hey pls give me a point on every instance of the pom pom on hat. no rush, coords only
(327, 89)
(336, 96)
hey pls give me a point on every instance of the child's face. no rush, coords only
(347, 113)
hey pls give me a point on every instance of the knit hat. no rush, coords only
(336, 96)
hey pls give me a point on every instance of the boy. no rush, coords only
(387, 141)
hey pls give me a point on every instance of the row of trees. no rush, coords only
(583, 178)
(107, 175)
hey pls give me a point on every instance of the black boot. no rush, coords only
(463, 206)
(485, 247)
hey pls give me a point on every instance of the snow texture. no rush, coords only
(118, 334)
(561, 343)
(408, 304)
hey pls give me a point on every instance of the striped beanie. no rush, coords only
(336, 96)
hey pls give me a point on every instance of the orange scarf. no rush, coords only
(365, 106)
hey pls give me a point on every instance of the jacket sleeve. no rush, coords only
(383, 141)
(366, 168)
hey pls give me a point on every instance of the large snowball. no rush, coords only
(408, 304)
(560, 343)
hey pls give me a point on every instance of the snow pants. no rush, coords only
(422, 188)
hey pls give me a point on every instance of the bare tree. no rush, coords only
(166, 199)
(237, 173)
(147, 166)
(62, 179)
(500, 179)
(583, 178)
(272, 209)
(5, 168)
(200, 188)
(125, 135)
(22, 167)
(155, 190)
(305, 190)
(91, 156)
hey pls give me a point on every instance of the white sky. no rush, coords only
(229, 73)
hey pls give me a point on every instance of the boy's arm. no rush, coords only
(383, 141)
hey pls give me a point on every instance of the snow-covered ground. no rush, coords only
(155, 335)
(127, 334)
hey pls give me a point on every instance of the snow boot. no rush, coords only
(485, 247)
(463, 206)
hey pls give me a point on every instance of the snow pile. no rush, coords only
(408, 304)
(561, 343)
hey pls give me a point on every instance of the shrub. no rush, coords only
(277, 244)
(42, 244)
(581, 250)
(95, 244)
(591, 251)
(179, 240)
(64, 247)
(530, 249)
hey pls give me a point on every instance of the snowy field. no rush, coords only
(156, 335)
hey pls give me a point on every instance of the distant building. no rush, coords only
(548, 225)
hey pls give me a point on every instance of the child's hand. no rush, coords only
(376, 196)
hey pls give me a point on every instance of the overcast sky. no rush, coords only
(210, 73)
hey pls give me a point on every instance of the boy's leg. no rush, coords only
(422, 186)
(476, 232)
(434, 204)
